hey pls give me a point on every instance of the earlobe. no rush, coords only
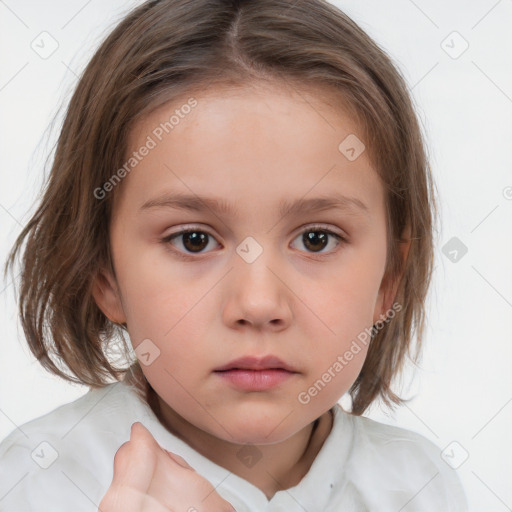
(107, 297)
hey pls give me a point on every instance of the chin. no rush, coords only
(257, 427)
(257, 435)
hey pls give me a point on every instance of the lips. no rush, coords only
(252, 374)
(256, 363)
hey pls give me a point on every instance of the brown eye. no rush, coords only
(317, 239)
(195, 241)
(191, 241)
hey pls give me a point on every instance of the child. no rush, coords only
(242, 188)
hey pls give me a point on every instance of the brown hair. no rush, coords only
(166, 49)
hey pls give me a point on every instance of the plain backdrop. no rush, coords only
(457, 59)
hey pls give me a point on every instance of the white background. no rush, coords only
(462, 392)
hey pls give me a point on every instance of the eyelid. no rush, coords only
(188, 229)
(314, 225)
(321, 227)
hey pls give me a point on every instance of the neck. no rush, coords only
(280, 466)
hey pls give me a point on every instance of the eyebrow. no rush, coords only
(350, 205)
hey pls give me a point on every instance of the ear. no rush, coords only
(389, 286)
(107, 297)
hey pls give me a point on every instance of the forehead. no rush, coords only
(281, 103)
(270, 142)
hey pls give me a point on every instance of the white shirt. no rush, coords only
(63, 461)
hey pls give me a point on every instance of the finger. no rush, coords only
(179, 459)
(170, 478)
(174, 456)
(180, 487)
(134, 465)
(142, 458)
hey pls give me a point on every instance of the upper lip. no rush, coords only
(256, 363)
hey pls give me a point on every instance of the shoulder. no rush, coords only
(403, 465)
(392, 438)
(70, 449)
(96, 411)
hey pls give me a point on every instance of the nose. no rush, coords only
(257, 295)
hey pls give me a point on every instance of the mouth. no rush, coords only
(255, 374)
(256, 364)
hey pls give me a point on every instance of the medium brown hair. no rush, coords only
(166, 49)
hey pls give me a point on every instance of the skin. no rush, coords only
(254, 147)
(148, 478)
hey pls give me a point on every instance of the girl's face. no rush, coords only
(249, 279)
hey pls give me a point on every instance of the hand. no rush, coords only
(148, 478)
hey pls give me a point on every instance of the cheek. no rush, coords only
(345, 302)
(341, 326)
(168, 307)
(156, 292)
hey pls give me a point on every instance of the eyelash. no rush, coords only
(193, 256)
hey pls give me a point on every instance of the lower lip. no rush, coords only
(255, 380)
